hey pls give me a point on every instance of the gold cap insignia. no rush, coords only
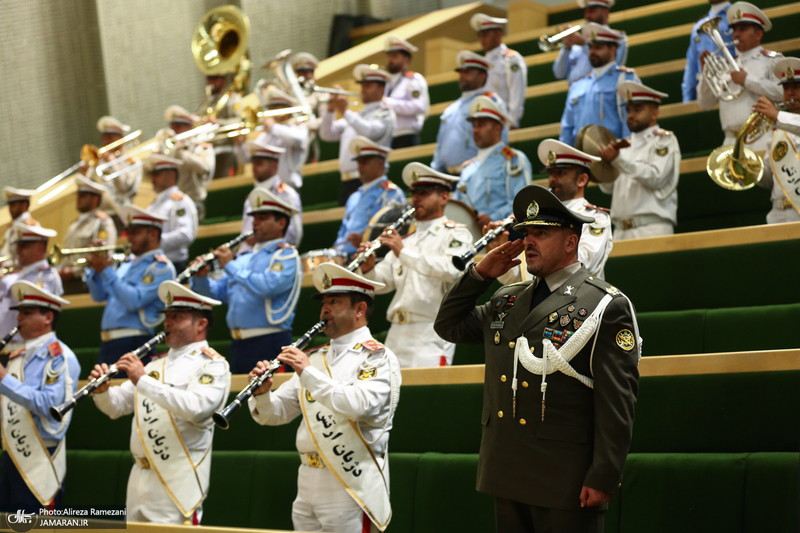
(327, 282)
(414, 177)
(551, 157)
(533, 210)
(479, 107)
(20, 295)
(594, 36)
(629, 95)
(130, 219)
(789, 72)
(170, 298)
(738, 14)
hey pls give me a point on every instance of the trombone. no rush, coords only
(161, 143)
(549, 43)
(57, 254)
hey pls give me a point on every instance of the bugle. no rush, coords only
(461, 261)
(58, 412)
(548, 43)
(8, 337)
(56, 255)
(222, 418)
(194, 268)
(374, 245)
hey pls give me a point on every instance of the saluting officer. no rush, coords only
(491, 180)
(265, 159)
(32, 265)
(375, 193)
(454, 142)
(261, 287)
(130, 292)
(304, 65)
(593, 99)
(177, 209)
(783, 166)
(40, 375)
(406, 92)
(508, 76)
(19, 201)
(700, 42)
(172, 398)
(376, 121)
(569, 173)
(287, 133)
(198, 159)
(562, 375)
(92, 225)
(572, 62)
(420, 270)
(347, 393)
(125, 186)
(756, 73)
(644, 200)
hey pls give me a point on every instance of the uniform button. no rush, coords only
(522, 422)
(511, 344)
(499, 414)
(524, 384)
(503, 379)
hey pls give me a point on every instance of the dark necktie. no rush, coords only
(540, 293)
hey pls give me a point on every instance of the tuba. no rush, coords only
(736, 167)
(717, 68)
(220, 47)
(286, 80)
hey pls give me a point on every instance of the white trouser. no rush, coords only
(417, 345)
(779, 216)
(651, 230)
(323, 504)
(148, 500)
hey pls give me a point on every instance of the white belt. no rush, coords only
(241, 334)
(348, 176)
(223, 149)
(401, 316)
(782, 204)
(637, 221)
(121, 333)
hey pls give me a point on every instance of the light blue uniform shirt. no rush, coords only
(595, 101)
(362, 206)
(260, 287)
(131, 292)
(492, 185)
(39, 273)
(454, 142)
(36, 395)
(574, 63)
(698, 43)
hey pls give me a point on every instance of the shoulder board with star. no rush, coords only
(285, 245)
(468, 162)
(372, 345)
(508, 52)
(662, 133)
(603, 286)
(176, 196)
(54, 349)
(625, 69)
(507, 152)
(388, 185)
(596, 208)
(211, 353)
(410, 74)
(281, 187)
(161, 258)
(101, 215)
(451, 225)
(770, 53)
(15, 353)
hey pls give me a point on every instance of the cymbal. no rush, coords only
(589, 140)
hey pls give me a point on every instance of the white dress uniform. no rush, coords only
(8, 248)
(760, 81)
(228, 114)
(186, 391)
(407, 95)
(124, 187)
(180, 229)
(196, 171)
(322, 502)
(294, 139)
(376, 121)
(87, 228)
(508, 77)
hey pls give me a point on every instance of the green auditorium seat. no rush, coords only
(771, 493)
(96, 477)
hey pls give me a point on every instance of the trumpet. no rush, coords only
(461, 261)
(193, 269)
(56, 255)
(58, 412)
(717, 68)
(90, 155)
(222, 418)
(548, 43)
(374, 245)
(8, 337)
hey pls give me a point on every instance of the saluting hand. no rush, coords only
(260, 368)
(98, 371)
(500, 260)
(295, 358)
(131, 365)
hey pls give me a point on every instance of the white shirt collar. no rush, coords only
(642, 135)
(83, 216)
(497, 50)
(425, 225)
(268, 183)
(348, 340)
(559, 277)
(33, 266)
(32, 346)
(600, 71)
(574, 203)
(21, 217)
(175, 353)
(138, 258)
(483, 153)
(257, 247)
(466, 95)
(753, 52)
(166, 192)
(366, 186)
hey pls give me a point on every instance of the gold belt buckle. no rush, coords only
(627, 224)
(402, 318)
(787, 204)
(314, 460)
(143, 463)
(105, 336)
(236, 334)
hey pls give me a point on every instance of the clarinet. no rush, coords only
(461, 261)
(222, 418)
(58, 412)
(190, 271)
(8, 337)
(373, 247)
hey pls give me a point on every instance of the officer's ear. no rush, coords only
(572, 241)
